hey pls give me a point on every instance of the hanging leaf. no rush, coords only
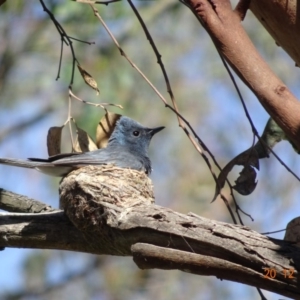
(54, 140)
(84, 143)
(105, 128)
(245, 184)
(89, 80)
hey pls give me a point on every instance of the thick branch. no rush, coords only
(17, 203)
(51, 230)
(190, 243)
(148, 257)
(224, 27)
(281, 19)
(114, 211)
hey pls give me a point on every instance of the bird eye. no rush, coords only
(136, 133)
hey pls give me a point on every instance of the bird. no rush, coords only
(127, 147)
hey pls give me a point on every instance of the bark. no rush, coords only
(170, 240)
(157, 237)
(281, 19)
(18, 203)
(224, 26)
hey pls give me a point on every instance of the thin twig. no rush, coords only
(246, 112)
(60, 58)
(193, 141)
(181, 122)
(240, 96)
(70, 118)
(281, 161)
(65, 38)
(244, 107)
(243, 212)
(96, 2)
(157, 54)
(81, 41)
(272, 232)
(126, 57)
(242, 101)
(102, 105)
(262, 296)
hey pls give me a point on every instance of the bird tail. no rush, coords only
(19, 163)
(40, 165)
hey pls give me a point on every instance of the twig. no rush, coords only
(102, 105)
(70, 118)
(275, 231)
(96, 2)
(60, 58)
(158, 56)
(262, 296)
(195, 144)
(247, 115)
(81, 41)
(244, 107)
(64, 39)
(281, 161)
(180, 119)
(96, 13)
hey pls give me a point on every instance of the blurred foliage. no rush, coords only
(29, 58)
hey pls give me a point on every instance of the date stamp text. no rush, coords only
(271, 273)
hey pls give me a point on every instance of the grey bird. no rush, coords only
(127, 147)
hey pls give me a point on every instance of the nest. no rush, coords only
(93, 196)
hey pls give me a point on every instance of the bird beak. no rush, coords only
(153, 131)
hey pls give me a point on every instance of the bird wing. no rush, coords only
(55, 157)
(97, 157)
(118, 156)
(62, 164)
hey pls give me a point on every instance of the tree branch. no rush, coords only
(223, 25)
(17, 203)
(188, 243)
(148, 257)
(281, 20)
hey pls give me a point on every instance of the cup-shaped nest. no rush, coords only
(93, 196)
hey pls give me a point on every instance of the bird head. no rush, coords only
(133, 135)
